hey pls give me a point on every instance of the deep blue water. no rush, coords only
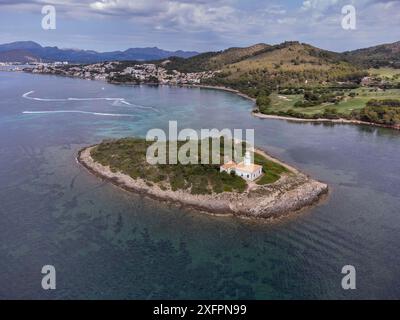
(106, 243)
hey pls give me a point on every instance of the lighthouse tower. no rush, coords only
(247, 159)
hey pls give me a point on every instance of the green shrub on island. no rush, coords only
(129, 157)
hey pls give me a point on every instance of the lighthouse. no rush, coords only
(247, 159)
(246, 169)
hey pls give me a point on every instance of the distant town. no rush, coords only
(117, 72)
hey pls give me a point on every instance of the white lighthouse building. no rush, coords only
(245, 169)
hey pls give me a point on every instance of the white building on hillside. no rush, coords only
(246, 169)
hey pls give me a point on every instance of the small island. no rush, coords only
(277, 190)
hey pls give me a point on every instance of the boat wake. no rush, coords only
(27, 96)
(80, 111)
(117, 101)
(132, 105)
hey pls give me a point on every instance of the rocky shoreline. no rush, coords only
(291, 193)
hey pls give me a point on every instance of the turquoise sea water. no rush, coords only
(106, 243)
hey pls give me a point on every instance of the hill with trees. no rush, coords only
(214, 60)
(385, 55)
(290, 64)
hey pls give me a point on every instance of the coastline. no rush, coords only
(237, 92)
(292, 193)
(276, 117)
(255, 114)
(323, 120)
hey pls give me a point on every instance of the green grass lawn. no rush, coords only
(281, 102)
(272, 171)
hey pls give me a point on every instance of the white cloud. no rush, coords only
(175, 14)
(322, 5)
(123, 7)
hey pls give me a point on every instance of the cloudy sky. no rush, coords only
(200, 25)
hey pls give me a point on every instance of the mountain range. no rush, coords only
(290, 53)
(29, 51)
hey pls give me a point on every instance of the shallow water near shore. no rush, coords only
(107, 243)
